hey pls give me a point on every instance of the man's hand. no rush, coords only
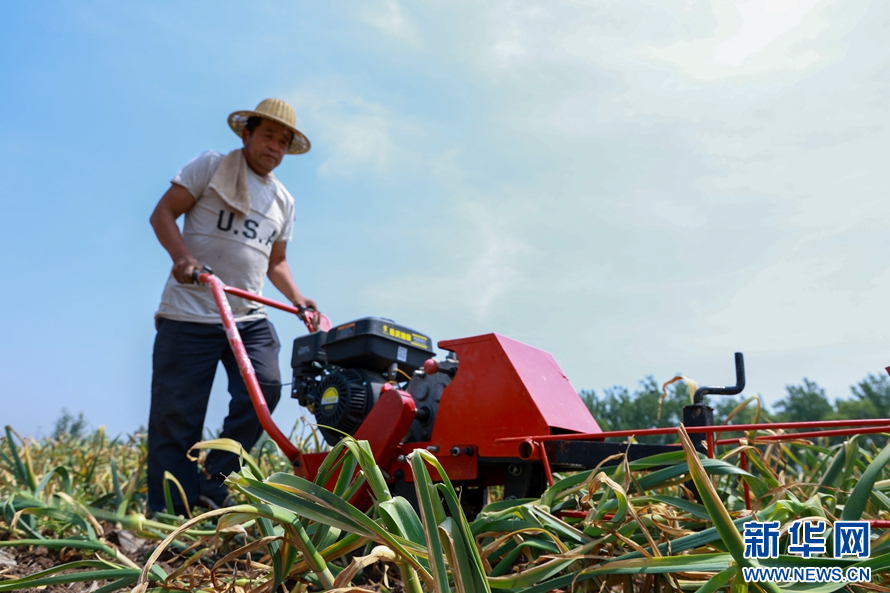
(183, 268)
(302, 301)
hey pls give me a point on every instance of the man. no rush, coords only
(238, 219)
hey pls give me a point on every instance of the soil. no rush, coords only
(21, 561)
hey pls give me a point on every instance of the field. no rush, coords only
(73, 519)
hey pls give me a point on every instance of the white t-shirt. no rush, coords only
(236, 247)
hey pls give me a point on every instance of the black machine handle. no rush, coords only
(700, 393)
(197, 272)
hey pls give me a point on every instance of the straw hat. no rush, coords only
(279, 112)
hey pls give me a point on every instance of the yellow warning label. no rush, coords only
(330, 396)
(418, 340)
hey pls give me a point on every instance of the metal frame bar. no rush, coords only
(880, 424)
(546, 461)
(790, 436)
(246, 367)
(261, 299)
(743, 461)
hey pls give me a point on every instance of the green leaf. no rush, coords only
(515, 523)
(563, 530)
(530, 577)
(620, 511)
(310, 554)
(732, 539)
(23, 471)
(432, 514)
(104, 570)
(665, 564)
(719, 580)
(115, 585)
(712, 466)
(503, 505)
(267, 528)
(64, 478)
(510, 556)
(858, 499)
(58, 544)
(693, 508)
(689, 542)
(310, 500)
(168, 497)
(400, 517)
(657, 565)
(658, 460)
(468, 563)
(566, 484)
(232, 446)
(458, 556)
(115, 483)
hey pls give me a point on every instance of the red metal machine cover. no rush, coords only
(504, 388)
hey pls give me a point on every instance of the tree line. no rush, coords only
(620, 409)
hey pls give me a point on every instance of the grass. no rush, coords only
(633, 526)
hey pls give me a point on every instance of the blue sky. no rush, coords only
(638, 187)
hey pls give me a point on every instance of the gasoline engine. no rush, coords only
(339, 374)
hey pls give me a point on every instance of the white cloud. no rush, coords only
(636, 209)
(494, 270)
(360, 138)
(482, 262)
(352, 132)
(708, 177)
(388, 17)
(760, 23)
(762, 38)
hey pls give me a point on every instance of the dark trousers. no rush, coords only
(184, 363)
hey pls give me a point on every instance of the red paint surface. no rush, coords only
(502, 389)
(387, 423)
(815, 434)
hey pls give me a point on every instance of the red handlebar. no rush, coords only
(310, 317)
(253, 387)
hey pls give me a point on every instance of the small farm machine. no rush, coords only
(494, 411)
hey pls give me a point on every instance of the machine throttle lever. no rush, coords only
(431, 367)
(700, 393)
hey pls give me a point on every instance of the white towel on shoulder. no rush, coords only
(230, 182)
